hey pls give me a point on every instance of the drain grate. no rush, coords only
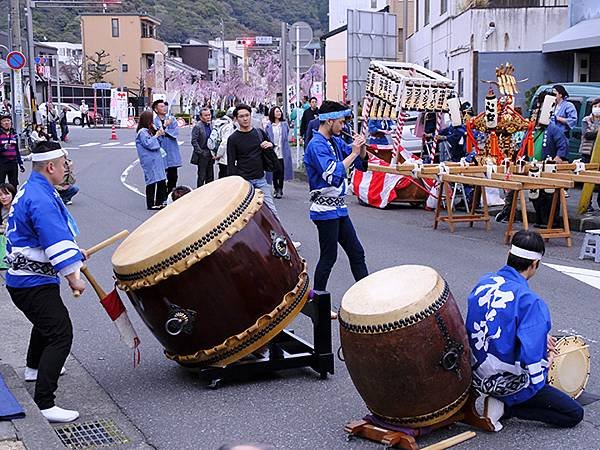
(96, 433)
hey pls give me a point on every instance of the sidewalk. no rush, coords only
(77, 390)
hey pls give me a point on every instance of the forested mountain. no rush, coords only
(183, 19)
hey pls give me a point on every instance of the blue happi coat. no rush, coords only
(323, 160)
(508, 325)
(151, 159)
(169, 141)
(40, 230)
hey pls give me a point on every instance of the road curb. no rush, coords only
(33, 430)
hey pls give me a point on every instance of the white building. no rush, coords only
(223, 55)
(466, 44)
(338, 10)
(68, 52)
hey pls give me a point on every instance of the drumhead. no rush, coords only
(391, 294)
(186, 231)
(570, 369)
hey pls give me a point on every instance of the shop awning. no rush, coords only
(585, 34)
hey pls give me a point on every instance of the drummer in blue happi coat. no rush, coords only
(508, 326)
(327, 160)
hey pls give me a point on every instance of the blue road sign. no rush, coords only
(101, 86)
(15, 60)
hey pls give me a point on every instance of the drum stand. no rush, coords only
(391, 438)
(285, 351)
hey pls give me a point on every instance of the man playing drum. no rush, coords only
(327, 159)
(508, 325)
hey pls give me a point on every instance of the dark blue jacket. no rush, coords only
(554, 142)
(456, 139)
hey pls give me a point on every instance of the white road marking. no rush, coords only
(131, 143)
(89, 144)
(124, 176)
(70, 148)
(180, 142)
(587, 276)
(111, 144)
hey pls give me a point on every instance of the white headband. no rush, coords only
(522, 253)
(47, 156)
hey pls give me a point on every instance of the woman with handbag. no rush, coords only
(151, 157)
(278, 133)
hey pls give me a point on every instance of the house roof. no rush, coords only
(178, 65)
(141, 15)
(334, 32)
(582, 35)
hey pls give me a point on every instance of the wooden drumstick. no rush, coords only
(101, 245)
(570, 351)
(447, 443)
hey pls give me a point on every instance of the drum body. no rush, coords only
(570, 369)
(214, 275)
(405, 346)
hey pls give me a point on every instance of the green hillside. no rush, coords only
(191, 19)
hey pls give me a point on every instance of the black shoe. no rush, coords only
(501, 217)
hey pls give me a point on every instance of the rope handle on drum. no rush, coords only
(95, 248)
(340, 354)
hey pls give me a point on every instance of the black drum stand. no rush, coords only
(285, 351)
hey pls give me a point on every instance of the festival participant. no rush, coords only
(41, 246)
(327, 159)
(148, 147)
(10, 157)
(84, 109)
(278, 132)
(565, 114)
(379, 130)
(308, 115)
(7, 194)
(508, 325)
(168, 141)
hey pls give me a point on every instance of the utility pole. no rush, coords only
(223, 44)
(30, 46)
(404, 28)
(16, 79)
(284, 75)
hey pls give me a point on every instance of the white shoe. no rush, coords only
(297, 244)
(31, 374)
(56, 414)
(493, 409)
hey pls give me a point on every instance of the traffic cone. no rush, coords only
(113, 133)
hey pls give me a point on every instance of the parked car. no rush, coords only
(73, 114)
(581, 95)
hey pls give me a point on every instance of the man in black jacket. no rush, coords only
(202, 156)
(307, 116)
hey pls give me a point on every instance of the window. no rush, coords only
(427, 11)
(373, 4)
(115, 27)
(461, 82)
(124, 68)
(400, 40)
(417, 15)
(443, 6)
(426, 64)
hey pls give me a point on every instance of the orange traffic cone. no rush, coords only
(113, 133)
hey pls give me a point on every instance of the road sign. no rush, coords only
(306, 60)
(301, 32)
(264, 40)
(101, 86)
(16, 60)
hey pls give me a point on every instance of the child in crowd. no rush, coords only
(7, 193)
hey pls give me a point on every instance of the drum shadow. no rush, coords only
(587, 398)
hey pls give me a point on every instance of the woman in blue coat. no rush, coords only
(278, 132)
(150, 155)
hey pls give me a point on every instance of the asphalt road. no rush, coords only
(295, 410)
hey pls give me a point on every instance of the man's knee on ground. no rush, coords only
(574, 416)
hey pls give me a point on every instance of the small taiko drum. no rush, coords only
(405, 346)
(213, 275)
(570, 369)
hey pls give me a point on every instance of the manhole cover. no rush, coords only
(96, 433)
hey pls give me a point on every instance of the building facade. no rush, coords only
(467, 43)
(129, 39)
(68, 52)
(338, 10)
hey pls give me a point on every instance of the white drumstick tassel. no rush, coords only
(454, 107)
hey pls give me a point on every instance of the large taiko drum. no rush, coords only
(213, 275)
(405, 346)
